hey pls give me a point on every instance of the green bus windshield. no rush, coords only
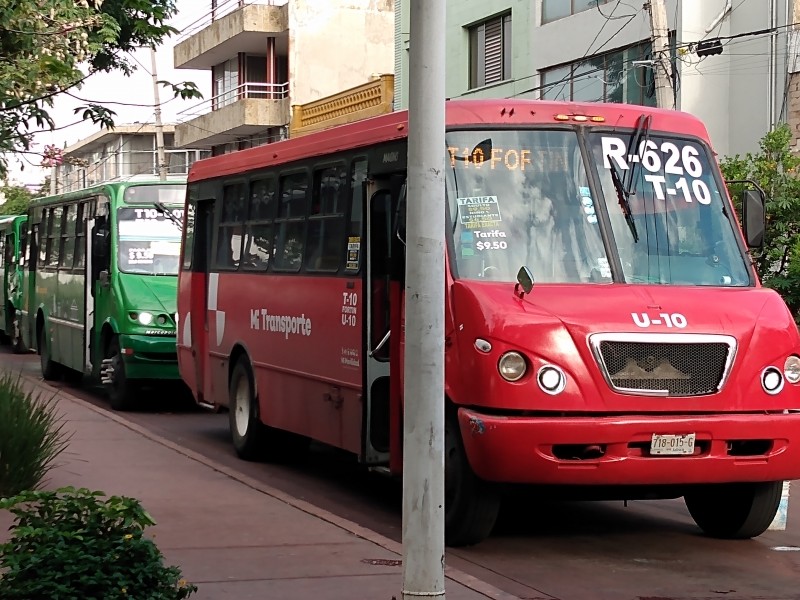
(149, 243)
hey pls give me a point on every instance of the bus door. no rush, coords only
(384, 275)
(199, 302)
(97, 280)
(378, 331)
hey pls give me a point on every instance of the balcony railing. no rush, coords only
(218, 10)
(261, 91)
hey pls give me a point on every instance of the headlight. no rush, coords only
(145, 318)
(512, 366)
(791, 369)
(552, 379)
(771, 380)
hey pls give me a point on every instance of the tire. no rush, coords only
(249, 434)
(471, 504)
(51, 371)
(122, 394)
(734, 510)
(252, 439)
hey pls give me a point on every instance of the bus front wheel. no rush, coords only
(51, 370)
(121, 392)
(471, 504)
(734, 510)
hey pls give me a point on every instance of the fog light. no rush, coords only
(771, 380)
(791, 369)
(512, 366)
(161, 320)
(552, 379)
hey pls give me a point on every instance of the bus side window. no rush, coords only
(3, 251)
(258, 228)
(41, 238)
(100, 246)
(326, 219)
(290, 225)
(358, 177)
(10, 243)
(54, 226)
(231, 227)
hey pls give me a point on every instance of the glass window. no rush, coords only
(149, 242)
(553, 10)
(68, 237)
(531, 207)
(610, 77)
(326, 225)
(490, 51)
(189, 233)
(290, 226)
(80, 236)
(231, 226)
(259, 226)
(173, 194)
(358, 174)
(53, 236)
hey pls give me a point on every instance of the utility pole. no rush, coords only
(662, 61)
(423, 413)
(162, 161)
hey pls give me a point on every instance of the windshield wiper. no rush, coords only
(622, 196)
(642, 130)
(160, 207)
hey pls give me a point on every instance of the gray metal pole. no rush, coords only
(662, 67)
(423, 415)
(162, 161)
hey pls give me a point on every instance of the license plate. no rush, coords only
(672, 445)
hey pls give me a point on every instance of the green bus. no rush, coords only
(13, 233)
(101, 285)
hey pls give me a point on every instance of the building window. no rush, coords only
(552, 10)
(611, 77)
(225, 83)
(490, 51)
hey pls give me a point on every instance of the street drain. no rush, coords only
(382, 562)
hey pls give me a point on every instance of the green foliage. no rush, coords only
(74, 544)
(46, 45)
(31, 437)
(776, 169)
(17, 200)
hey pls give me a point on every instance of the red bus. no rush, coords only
(606, 334)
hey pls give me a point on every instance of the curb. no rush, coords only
(468, 581)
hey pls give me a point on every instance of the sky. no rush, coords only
(115, 87)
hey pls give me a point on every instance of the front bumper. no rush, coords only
(149, 356)
(543, 450)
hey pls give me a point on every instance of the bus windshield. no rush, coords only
(669, 219)
(522, 198)
(149, 243)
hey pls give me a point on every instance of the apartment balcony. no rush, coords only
(246, 110)
(231, 27)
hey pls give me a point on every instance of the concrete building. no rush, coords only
(126, 151)
(598, 50)
(264, 56)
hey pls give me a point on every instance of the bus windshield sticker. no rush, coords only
(479, 211)
(353, 252)
(482, 239)
(669, 169)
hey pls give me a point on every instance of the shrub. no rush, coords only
(73, 544)
(31, 436)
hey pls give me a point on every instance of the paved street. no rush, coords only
(326, 527)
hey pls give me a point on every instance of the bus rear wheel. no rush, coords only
(248, 432)
(734, 510)
(50, 370)
(121, 392)
(471, 504)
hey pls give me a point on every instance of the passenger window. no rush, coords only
(41, 239)
(80, 236)
(358, 174)
(231, 227)
(54, 236)
(326, 220)
(258, 229)
(291, 222)
(189, 231)
(9, 249)
(67, 251)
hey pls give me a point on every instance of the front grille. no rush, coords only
(665, 365)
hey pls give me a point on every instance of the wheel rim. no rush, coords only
(242, 408)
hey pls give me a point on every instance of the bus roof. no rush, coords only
(100, 187)
(478, 113)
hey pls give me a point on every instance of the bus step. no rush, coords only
(107, 371)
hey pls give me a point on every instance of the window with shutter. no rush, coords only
(490, 51)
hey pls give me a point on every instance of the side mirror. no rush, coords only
(104, 278)
(524, 282)
(754, 217)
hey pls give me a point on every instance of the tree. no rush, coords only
(775, 168)
(17, 199)
(51, 47)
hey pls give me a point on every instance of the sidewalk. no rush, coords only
(232, 536)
